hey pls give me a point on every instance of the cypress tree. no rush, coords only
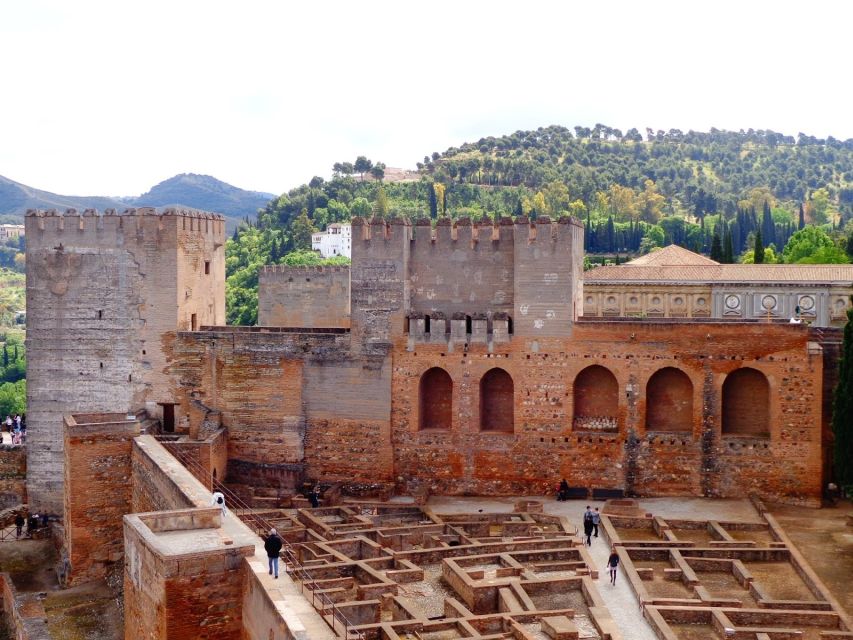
(5, 356)
(716, 247)
(433, 203)
(728, 249)
(842, 409)
(759, 248)
(802, 222)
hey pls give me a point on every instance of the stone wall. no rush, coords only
(98, 492)
(306, 297)
(102, 292)
(13, 475)
(545, 446)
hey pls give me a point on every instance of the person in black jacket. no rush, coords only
(19, 524)
(273, 546)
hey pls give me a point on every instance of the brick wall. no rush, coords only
(13, 475)
(303, 296)
(98, 493)
(545, 446)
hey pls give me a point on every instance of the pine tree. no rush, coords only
(759, 249)
(802, 222)
(842, 409)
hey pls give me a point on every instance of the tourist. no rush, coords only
(596, 520)
(8, 423)
(17, 422)
(588, 513)
(17, 437)
(587, 529)
(273, 546)
(219, 501)
(314, 496)
(19, 524)
(563, 491)
(612, 564)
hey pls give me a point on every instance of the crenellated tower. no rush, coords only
(104, 294)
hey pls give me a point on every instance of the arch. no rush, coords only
(435, 399)
(669, 401)
(496, 401)
(746, 403)
(596, 399)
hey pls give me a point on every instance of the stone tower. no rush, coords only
(104, 294)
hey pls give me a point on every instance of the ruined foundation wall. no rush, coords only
(306, 297)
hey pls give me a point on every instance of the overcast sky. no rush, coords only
(109, 98)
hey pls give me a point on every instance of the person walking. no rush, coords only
(587, 529)
(273, 546)
(563, 491)
(314, 496)
(596, 520)
(612, 564)
(19, 524)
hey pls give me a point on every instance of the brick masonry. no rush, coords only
(13, 475)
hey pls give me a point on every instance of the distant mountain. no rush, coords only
(16, 198)
(184, 190)
(206, 193)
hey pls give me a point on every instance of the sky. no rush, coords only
(110, 98)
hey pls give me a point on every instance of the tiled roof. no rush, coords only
(672, 255)
(805, 273)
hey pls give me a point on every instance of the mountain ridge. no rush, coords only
(191, 190)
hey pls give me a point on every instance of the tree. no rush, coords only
(820, 206)
(850, 245)
(301, 231)
(362, 165)
(716, 247)
(728, 248)
(802, 223)
(842, 409)
(378, 171)
(440, 198)
(813, 245)
(758, 257)
(433, 202)
(380, 205)
(360, 207)
(556, 198)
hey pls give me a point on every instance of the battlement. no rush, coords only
(141, 211)
(463, 230)
(286, 270)
(82, 228)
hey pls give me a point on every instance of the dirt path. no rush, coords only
(826, 542)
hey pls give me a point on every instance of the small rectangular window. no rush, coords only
(207, 267)
(193, 322)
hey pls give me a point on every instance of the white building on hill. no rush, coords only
(336, 240)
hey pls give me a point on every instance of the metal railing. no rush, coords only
(327, 608)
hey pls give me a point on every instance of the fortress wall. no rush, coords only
(545, 446)
(303, 296)
(271, 387)
(463, 268)
(101, 292)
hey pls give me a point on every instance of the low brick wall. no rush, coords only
(23, 616)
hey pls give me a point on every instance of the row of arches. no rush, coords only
(496, 400)
(669, 401)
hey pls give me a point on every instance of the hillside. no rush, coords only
(727, 194)
(187, 190)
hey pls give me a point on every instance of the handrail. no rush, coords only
(261, 526)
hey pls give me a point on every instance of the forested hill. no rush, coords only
(738, 196)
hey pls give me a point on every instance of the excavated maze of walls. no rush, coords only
(714, 579)
(398, 571)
